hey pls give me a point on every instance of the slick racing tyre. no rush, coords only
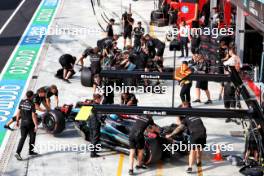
(53, 121)
(86, 77)
(152, 151)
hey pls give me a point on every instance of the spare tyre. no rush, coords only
(86, 77)
(53, 121)
(152, 151)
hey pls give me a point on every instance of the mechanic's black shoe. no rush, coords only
(209, 102)
(130, 172)
(8, 127)
(182, 56)
(66, 80)
(141, 167)
(33, 153)
(197, 101)
(80, 69)
(94, 155)
(189, 170)
(18, 157)
(228, 120)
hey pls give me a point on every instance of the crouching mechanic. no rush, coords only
(197, 132)
(95, 125)
(27, 113)
(137, 141)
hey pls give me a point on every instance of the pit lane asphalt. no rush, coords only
(111, 163)
(15, 28)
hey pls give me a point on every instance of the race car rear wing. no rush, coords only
(163, 111)
(164, 75)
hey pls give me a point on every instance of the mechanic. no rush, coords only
(128, 22)
(185, 83)
(102, 43)
(138, 33)
(229, 89)
(197, 132)
(184, 38)
(202, 66)
(38, 98)
(95, 125)
(27, 113)
(94, 59)
(109, 28)
(251, 145)
(223, 56)
(67, 62)
(154, 44)
(52, 91)
(128, 99)
(137, 141)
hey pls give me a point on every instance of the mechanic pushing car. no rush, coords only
(137, 141)
(67, 62)
(52, 91)
(197, 132)
(39, 98)
(29, 125)
(95, 125)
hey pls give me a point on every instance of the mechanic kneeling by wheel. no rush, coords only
(95, 125)
(29, 125)
(137, 141)
(67, 62)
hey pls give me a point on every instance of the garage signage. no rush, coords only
(18, 71)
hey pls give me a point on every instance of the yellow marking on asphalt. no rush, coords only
(160, 169)
(120, 165)
(200, 170)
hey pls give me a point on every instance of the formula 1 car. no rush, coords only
(115, 135)
(114, 131)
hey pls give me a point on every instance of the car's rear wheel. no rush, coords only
(53, 121)
(86, 77)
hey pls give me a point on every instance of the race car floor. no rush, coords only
(76, 162)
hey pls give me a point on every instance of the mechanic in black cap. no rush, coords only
(95, 125)
(109, 28)
(197, 132)
(67, 62)
(138, 33)
(137, 141)
(38, 99)
(27, 113)
(129, 99)
(103, 43)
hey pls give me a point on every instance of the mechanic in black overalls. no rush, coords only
(109, 28)
(27, 113)
(40, 98)
(138, 33)
(128, 99)
(137, 141)
(67, 62)
(95, 125)
(197, 132)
